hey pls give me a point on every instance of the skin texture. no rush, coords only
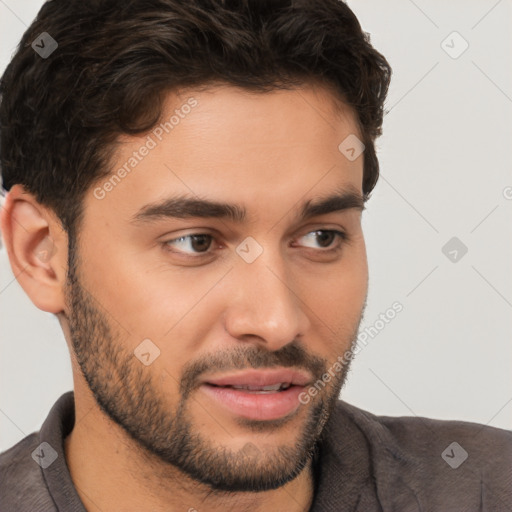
(148, 437)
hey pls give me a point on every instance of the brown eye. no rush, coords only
(191, 244)
(323, 238)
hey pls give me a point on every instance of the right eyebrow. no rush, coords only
(185, 207)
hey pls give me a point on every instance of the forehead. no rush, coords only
(229, 144)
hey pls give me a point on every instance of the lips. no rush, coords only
(262, 380)
(259, 395)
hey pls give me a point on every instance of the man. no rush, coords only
(186, 186)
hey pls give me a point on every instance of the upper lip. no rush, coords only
(262, 378)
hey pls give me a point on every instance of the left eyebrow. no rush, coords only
(185, 207)
(343, 200)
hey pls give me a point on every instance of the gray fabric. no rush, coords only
(364, 463)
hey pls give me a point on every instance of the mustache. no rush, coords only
(250, 357)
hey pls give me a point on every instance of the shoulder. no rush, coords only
(421, 436)
(22, 485)
(455, 463)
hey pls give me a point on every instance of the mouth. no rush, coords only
(260, 379)
(258, 395)
(282, 386)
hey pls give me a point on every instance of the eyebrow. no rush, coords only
(182, 207)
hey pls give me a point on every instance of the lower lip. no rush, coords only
(256, 406)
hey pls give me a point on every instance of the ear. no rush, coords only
(37, 248)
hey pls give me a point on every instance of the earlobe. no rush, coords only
(37, 248)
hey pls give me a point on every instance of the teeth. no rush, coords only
(275, 387)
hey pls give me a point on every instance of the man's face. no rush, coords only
(156, 313)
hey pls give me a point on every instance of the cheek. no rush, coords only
(143, 303)
(342, 285)
(335, 297)
(353, 287)
(140, 291)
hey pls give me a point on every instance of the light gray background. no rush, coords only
(446, 165)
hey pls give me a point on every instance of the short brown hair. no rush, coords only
(60, 116)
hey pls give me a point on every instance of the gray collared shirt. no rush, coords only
(363, 463)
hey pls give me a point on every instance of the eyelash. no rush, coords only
(340, 235)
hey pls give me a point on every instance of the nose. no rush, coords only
(265, 306)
